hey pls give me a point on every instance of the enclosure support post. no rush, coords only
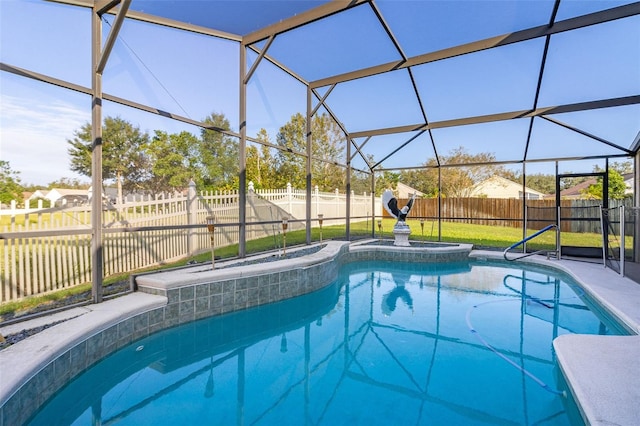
(524, 204)
(309, 138)
(558, 219)
(192, 218)
(622, 220)
(439, 204)
(558, 242)
(242, 178)
(605, 240)
(96, 159)
(524, 225)
(373, 204)
(636, 212)
(99, 60)
(348, 189)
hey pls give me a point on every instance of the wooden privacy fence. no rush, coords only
(50, 249)
(577, 215)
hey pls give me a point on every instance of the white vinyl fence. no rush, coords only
(51, 248)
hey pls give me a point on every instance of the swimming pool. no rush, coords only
(386, 343)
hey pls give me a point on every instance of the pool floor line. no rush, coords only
(482, 340)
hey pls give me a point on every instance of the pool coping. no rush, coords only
(48, 358)
(43, 351)
(601, 372)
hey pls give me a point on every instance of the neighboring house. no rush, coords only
(59, 196)
(578, 191)
(499, 187)
(628, 181)
(38, 194)
(405, 191)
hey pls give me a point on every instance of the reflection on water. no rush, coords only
(390, 299)
(385, 344)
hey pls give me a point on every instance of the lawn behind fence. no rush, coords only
(481, 236)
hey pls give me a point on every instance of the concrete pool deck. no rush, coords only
(603, 372)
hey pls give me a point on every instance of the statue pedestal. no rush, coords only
(401, 232)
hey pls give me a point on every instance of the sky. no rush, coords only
(195, 75)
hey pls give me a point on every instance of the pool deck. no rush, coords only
(603, 372)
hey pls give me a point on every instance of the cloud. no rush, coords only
(33, 135)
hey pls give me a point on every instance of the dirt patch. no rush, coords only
(118, 288)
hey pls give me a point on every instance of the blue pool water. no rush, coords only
(386, 343)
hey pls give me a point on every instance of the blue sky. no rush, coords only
(194, 75)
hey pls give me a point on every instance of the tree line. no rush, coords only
(459, 181)
(164, 162)
(135, 161)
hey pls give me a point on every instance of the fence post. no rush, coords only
(251, 214)
(316, 194)
(605, 239)
(622, 242)
(192, 218)
(290, 198)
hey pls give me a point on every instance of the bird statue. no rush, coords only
(390, 203)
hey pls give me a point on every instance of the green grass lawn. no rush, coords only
(481, 236)
(487, 236)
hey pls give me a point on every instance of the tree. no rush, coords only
(622, 167)
(617, 187)
(10, 187)
(218, 154)
(253, 166)
(174, 161)
(422, 180)
(387, 180)
(328, 143)
(570, 182)
(260, 168)
(123, 156)
(457, 181)
(540, 182)
(291, 167)
(68, 183)
(360, 182)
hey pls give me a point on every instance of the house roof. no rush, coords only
(39, 193)
(404, 191)
(578, 189)
(66, 191)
